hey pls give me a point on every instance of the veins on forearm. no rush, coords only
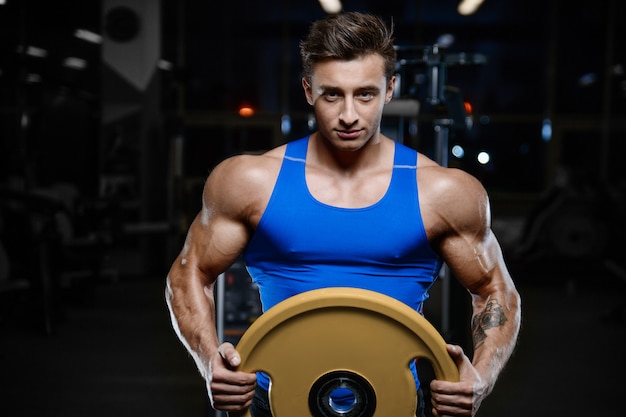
(492, 316)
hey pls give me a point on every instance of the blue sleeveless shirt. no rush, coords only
(302, 244)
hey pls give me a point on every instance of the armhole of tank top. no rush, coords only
(419, 208)
(268, 208)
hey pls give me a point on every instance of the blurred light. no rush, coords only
(33, 78)
(311, 122)
(445, 40)
(285, 124)
(483, 158)
(246, 110)
(25, 120)
(458, 151)
(165, 65)
(468, 7)
(617, 69)
(546, 130)
(413, 128)
(587, 80)
(3, 2)
(75, 63)
(485, 120)
(88, 36)
(524, 149)
(468, 107)
(35, 51)
(331, 6)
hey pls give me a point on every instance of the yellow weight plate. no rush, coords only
(350, 338)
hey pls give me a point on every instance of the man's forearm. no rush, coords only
(495, 327)
(193, 320)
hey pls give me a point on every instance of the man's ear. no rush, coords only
(391, 86)
(306, 85)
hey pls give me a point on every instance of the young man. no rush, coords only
(345, 206)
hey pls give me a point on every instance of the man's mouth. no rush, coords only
(348, 134)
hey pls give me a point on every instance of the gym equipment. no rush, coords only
(317, 344)
(422, 75)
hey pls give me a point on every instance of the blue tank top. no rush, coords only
(302, 244)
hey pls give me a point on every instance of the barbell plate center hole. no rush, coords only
(342, 400)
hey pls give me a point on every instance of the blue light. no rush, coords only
(285, 124)
(546, 130)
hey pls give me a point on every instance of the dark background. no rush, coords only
(101, 174)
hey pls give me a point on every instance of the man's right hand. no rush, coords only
(229, 389)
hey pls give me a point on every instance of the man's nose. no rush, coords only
(348, 115)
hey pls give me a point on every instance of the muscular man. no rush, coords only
(344, 206)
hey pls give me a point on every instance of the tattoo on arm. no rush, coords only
(491, 316)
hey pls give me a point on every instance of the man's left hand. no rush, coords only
(458, 398)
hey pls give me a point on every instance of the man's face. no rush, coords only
(348, 99)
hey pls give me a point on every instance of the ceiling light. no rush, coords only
(165, 65)
(33, 78)
(75, 63)
(331, 6)
(88, 36)
(468, 7)
(36, 52)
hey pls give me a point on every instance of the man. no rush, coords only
(345, 206)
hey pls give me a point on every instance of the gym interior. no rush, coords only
(113, 113)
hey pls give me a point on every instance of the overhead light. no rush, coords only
(468, 7)
(88, 36)
(165, 65)
(75, 63)
(331, 6)
(3, 2)
(34, 51)
(33, 78)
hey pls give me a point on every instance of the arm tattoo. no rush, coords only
(491, 316)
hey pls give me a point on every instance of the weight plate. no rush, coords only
(367, 337)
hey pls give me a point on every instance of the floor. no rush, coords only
(114, 353)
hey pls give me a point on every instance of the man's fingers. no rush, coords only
(455, 352)
(232, 397)
(229, 354)
(243, 390)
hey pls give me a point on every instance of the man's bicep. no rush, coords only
(478, 264)
(213, 243)
(220, 231)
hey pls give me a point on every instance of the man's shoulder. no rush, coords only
(452, 193)
(432, 175)
(248, 166)
(244, 181)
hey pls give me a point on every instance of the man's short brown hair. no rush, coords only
(347, 36)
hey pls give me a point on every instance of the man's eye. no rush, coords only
(366, 95)
(331, 96)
